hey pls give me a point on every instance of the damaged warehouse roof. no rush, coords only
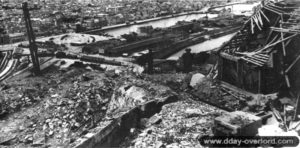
(261, 58)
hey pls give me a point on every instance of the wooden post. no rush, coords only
(291, 66)
(284, 116)
(288, 83)
(296, 109)
(259, 81)
(271, 31)
(220, 68)
(282, 37)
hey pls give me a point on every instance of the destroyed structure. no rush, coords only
(263, 56)
(94, 89)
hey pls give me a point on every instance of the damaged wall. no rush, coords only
(263, 76)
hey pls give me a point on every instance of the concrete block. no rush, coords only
(237, 123)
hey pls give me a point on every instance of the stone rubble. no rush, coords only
(57, 108)
(182, 123)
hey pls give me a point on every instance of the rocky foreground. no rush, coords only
(68, 102)
(178, 125)
(55, 109)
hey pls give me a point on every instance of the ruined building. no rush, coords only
(263, 57)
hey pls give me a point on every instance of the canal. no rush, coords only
(205, 46)
(238, 9)
(161, 23)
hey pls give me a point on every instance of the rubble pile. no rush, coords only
(15, 96)
(240, 120)
(203, 89)
(213, 94)
(179, 124)
(176, 81)
(129, 93)
(57, 108)
(62, 107)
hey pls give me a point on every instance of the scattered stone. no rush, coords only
(138, 70)
(22, 128)
(156, 119)
(178, 128)
(50, 133)
(55, 95)
(194, 111)
(196, 79)
(28, 139)
(118, 71)
(132, 130)
(159, 144)
(71, 100)
(38, 140)
(8, 139)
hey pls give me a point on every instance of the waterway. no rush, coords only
(162, 23)
(238, 9)
(205, 46)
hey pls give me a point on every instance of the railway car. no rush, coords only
(72, 56)
(99, 60)
(60, 54)
(78, 44)
(92, 59)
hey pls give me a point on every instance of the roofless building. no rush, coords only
(264, 56)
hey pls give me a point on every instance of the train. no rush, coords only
(85, 58)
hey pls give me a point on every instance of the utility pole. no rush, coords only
(31, 38)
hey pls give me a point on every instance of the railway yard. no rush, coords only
(95, 89)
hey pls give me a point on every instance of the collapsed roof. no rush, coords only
(267, 42)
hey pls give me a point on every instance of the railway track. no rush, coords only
(3, 61)
(7, 65)
(30, 66)
(8, 71)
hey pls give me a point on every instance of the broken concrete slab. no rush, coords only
(237, 123)
(127, 97)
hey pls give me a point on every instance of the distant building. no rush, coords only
(4, 39)
(114, 10)
(85, 1)
(16, 37)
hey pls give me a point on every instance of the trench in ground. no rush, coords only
(120, 129)
(132, 120)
